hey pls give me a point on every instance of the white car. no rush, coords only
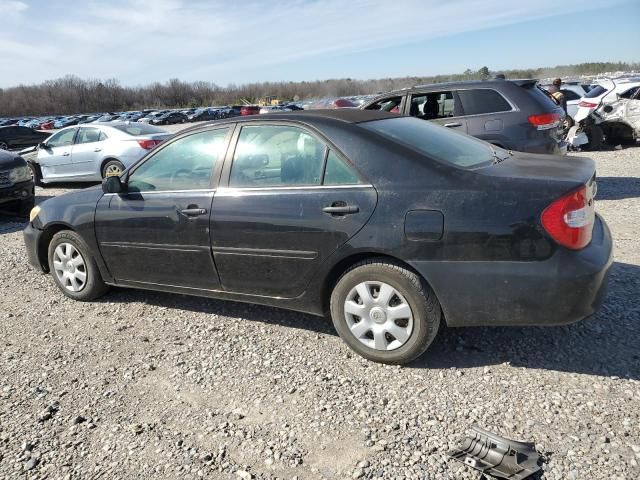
(620, 119)
(85, 153)
(608, 91)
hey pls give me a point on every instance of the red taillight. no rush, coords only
(587, 104)
(569, 220)
(149, 144)
(545, 120)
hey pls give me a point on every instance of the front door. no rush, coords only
(290, 202)
(158, 231)
(54, 156)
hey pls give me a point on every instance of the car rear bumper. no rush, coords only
(567, 287)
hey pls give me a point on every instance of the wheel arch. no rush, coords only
(347, 262)
(107, 160)
(45, 239)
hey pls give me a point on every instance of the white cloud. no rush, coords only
(147, 40)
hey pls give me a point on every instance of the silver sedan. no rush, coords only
(85, 153)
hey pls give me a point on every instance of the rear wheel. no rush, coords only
(385, 312)
(73, 268)
(113, 168)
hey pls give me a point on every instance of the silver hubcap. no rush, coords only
(69, 266)
(112, 171)
(378, 315)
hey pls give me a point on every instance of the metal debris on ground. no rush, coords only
(497, 456)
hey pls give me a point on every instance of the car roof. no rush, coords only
(465, 83)
(344, 115)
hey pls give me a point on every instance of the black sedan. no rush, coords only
(16, 185)
(169, 118)
(15, 137)
(391, 224)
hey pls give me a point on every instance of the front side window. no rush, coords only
(88, 135)
(431, 106)
(275, 156)
(62, 139)
(186, 164)
(482, 100)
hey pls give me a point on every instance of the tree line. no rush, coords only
(72, 94)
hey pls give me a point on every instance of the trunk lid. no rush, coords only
(549, 169)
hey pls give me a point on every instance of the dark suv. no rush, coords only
(513, 114)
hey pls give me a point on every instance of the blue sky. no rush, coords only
(243, 41)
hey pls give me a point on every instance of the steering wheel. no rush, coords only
(182, 173)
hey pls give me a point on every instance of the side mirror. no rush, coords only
(43, 146)
(113, 184)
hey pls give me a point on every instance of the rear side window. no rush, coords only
(439, 143)
(139, 129)
(482, 100)
(337, 172)
(595, 92)
(276, 156)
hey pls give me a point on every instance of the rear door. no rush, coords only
(87, 151)
(442, 107)
(485, 111)
(289, 202)
(54, 157)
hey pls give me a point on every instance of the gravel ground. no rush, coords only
(146, 385)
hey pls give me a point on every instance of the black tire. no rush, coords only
(424, 305)
(94, 286)
(112, 164)
(35, 175)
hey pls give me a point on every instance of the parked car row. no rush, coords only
(153, 117)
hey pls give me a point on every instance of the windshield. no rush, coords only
(439, 143)
(139, 129)
(595, 92)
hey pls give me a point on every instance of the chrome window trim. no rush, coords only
(228, 191)
(195, 190)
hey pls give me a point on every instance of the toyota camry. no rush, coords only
(389, 224)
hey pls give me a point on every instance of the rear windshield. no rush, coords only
(437, 142)
(542, 97)
(139, 129)
(595, 92)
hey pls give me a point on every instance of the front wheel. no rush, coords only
(385, 312)
(73, 268)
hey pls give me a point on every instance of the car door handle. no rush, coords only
(341, 209)
(453, 124)
(97, 149)
(65, 154)
(193, 212)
